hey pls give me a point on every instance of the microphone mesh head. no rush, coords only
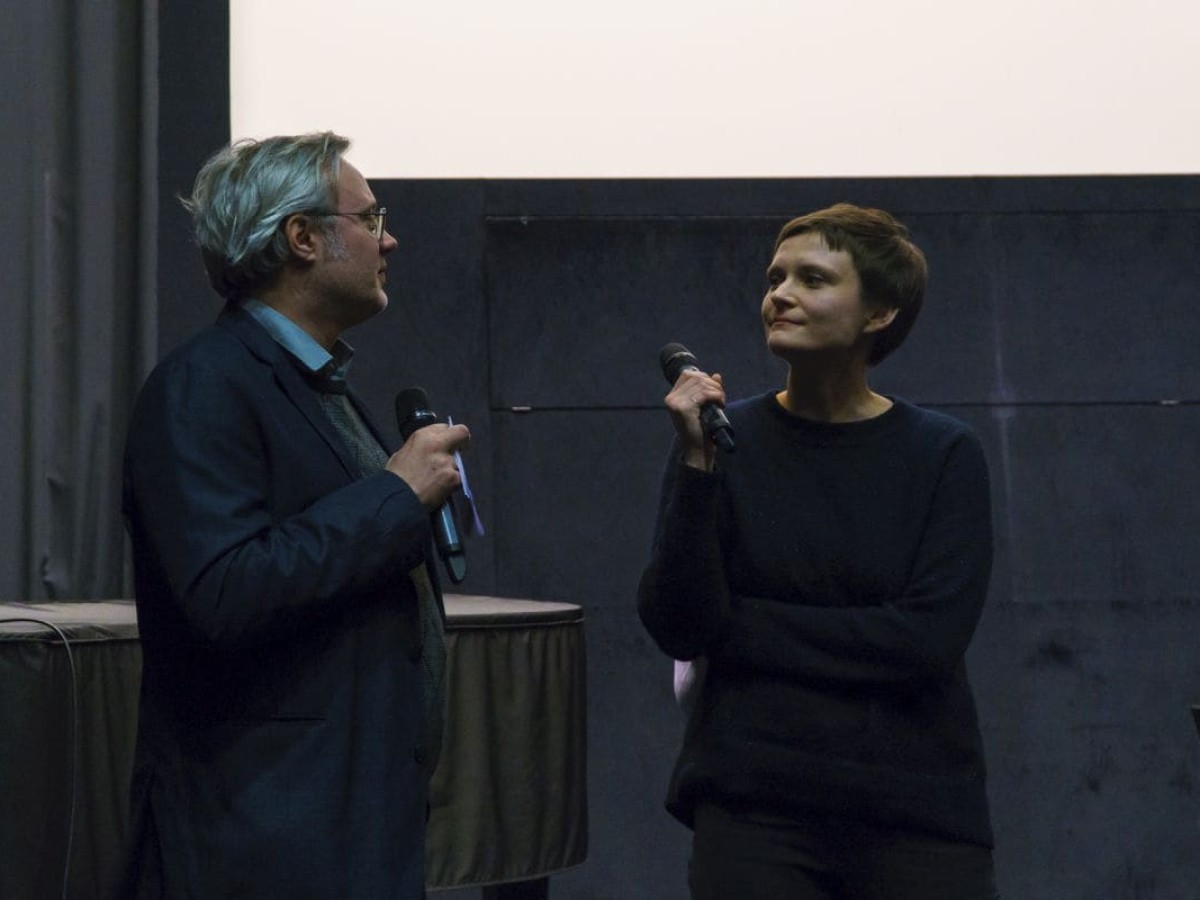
(409, 403)
(674, 358)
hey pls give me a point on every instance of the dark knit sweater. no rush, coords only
(833, 575)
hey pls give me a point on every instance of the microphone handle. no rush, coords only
(449, 546)
(445, 531)
(716, 425)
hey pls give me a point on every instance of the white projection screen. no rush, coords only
(738, 89)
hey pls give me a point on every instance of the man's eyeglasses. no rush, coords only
(375, 220)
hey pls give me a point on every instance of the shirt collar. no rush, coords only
(311, 356)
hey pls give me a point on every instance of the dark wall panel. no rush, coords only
(781, 198)
(575, 502)
(1092, 753)
(1093, 504)
(950, 354)
(1084, 663)
(1033, 307)
(580, 307)
(1097, 307)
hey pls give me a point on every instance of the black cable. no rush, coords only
(72, 743)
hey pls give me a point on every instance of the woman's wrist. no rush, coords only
(698, 458)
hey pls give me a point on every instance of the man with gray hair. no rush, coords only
(290, 615)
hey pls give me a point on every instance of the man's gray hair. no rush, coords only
(246, 190)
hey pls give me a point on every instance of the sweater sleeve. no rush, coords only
(921, 633)
(683, 596)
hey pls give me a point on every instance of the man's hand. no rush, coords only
(426, 462)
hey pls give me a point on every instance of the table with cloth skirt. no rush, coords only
(508, 800)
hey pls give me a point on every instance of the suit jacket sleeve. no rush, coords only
(241, 509)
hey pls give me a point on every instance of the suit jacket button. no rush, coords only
(419, 754)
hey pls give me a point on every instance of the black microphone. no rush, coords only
(676, 359)
(412, 413)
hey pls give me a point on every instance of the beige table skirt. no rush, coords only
(509, 797)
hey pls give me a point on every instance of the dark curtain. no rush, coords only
(79, 109)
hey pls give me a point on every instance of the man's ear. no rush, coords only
(879, 318)
(301, 236)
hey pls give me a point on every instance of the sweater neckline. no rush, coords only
(828, 433)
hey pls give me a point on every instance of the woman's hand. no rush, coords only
(691, 391)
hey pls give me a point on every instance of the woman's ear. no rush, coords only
(879, 318)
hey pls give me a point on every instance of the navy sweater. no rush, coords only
(833, 575)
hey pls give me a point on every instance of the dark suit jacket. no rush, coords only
(279, 743)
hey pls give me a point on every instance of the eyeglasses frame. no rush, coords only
(375, 219)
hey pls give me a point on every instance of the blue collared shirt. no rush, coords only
(301, 345)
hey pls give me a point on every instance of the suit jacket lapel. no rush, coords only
(288, 378)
